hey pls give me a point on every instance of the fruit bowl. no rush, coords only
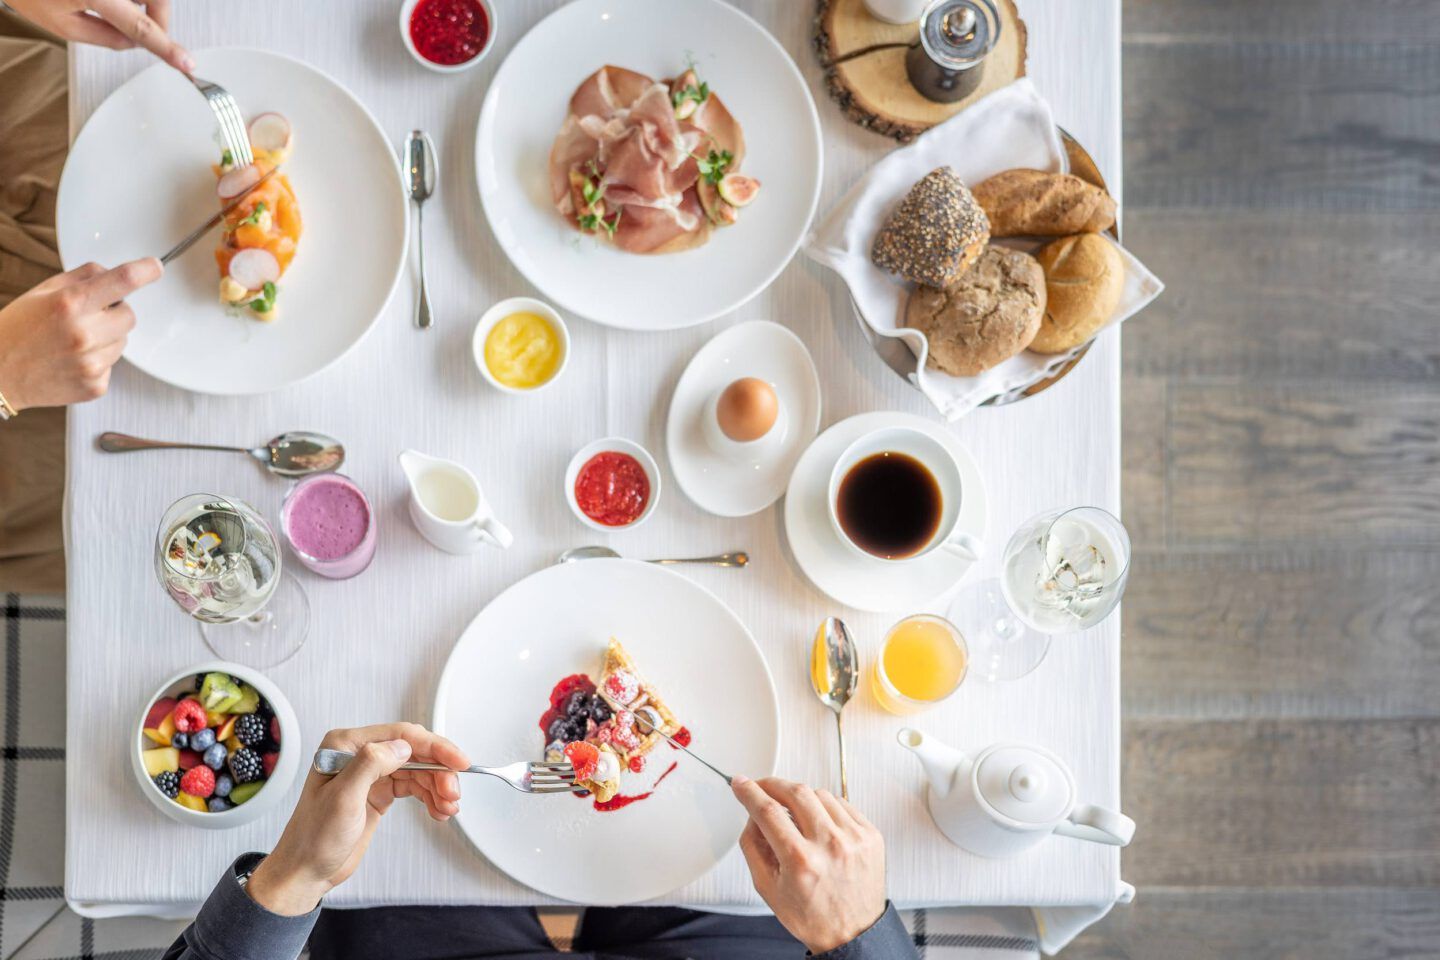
(242, 768)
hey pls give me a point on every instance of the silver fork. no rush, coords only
(523, 776)
(232, 123)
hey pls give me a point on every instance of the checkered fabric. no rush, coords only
(35, 924)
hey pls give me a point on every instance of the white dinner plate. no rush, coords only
(528, 101)
(697, 654)
(737, 484)
(138, 179)
(866, 583)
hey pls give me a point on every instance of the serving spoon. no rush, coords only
(575, 554)
(297, 453)
(834, 674)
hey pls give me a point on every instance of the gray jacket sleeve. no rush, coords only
(231, 926)
(887, 939)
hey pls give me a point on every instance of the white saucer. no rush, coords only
(739, 485)
(876, 586)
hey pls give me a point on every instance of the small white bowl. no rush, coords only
(268, 796)
(616, 445)
(504, 309)
(408, 7)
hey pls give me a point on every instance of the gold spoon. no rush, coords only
(834, 674)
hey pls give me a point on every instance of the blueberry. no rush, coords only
(218, 804)
(558, 728)
(223, 785)
(201, 740)
(214, 756)
(180, 741)
(599, 710)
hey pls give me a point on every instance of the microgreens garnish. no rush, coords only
(266, 301)
(690, 91)
(227, 159)
(254, 214)
(714, 166)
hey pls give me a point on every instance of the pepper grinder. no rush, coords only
(955, 37)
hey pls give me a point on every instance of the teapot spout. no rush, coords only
(941, 762)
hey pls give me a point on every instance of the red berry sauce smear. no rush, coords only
(621, 801)
(449, 32)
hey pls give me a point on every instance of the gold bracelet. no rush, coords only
(6, 411)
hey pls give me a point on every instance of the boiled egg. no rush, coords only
(747, 409)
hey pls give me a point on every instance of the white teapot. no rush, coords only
(1008, 798)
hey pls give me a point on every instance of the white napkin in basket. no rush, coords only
(1011, 127)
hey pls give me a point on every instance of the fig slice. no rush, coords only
(235, 182)
(717, 211)
(737, 189)
(270, 132)
(684, 108)
(254, 267)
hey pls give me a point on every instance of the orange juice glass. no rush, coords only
(922, 661)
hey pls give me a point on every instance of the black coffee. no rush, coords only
(889, 505)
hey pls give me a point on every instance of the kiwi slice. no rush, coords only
(249, 700)
(244, 791)
(219, 692)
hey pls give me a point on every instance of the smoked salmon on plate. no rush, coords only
(260, 235)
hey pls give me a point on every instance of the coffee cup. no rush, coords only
(895, 495)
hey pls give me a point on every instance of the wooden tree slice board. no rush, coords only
(864, 62)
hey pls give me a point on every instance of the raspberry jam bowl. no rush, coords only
(244, 755)
(612, 484)
(448, 36)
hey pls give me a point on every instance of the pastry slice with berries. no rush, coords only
(627, 692)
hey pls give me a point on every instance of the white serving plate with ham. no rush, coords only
(156, 136)
(529, 100)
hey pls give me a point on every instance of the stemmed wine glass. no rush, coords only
(220, 562)
(1063, 571)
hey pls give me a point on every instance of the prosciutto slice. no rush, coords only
(622, 142)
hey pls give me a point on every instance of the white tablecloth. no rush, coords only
(378, 642)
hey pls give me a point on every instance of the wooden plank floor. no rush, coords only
(1282, 482)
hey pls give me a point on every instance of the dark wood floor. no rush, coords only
(1282, 454)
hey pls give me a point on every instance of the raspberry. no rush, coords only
(584, 757)
(198, 781)
(622, 686)
(622, 731)
(637, 763)
(189, 716)
(267, 762)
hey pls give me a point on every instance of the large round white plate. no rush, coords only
(864, 583)
(698, 655)
(743, 64)
(138, 180)
(737, 485)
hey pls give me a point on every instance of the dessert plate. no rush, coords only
(745, 483)
(156, 136)
(701, 659)
(861, 582)
(527, 102)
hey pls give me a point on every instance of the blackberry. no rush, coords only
(245, 765)
(169, 783)
(577, 704)
(249, 729)
(599, 710)
(199, 681)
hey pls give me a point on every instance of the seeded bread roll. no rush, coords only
(1033, 203)
(1084, 279)
(935, 233)
(988, 315)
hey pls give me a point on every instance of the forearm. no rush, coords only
(232, 926)
(887, 939)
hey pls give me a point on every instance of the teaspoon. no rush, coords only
(834, 674)
(421, 171)
(294, 454)
(575, 554)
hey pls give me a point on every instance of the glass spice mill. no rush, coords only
(955, 37)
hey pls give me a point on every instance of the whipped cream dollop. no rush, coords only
(607, 767)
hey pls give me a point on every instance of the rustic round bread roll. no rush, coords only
(989, 314)
(1084, 279)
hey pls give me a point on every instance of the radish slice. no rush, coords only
(253, 268)
(270, 131)
(237, 181)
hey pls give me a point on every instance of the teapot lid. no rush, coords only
(1026, 784)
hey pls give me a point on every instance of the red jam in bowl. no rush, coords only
(449, 32)
(612, 489)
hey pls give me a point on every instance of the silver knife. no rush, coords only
(206, 227)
